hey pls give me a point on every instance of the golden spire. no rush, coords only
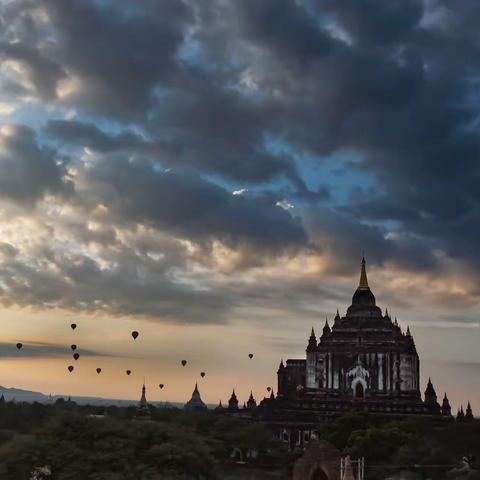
(363, 277)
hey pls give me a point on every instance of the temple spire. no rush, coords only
(143, 398)
(326, 328)
(363, 276)
(312, 342)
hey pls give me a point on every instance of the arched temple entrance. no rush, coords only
(359, 390)
(318, 474)
(321, 461)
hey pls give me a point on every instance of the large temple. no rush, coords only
(362, 362)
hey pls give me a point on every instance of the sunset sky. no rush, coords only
(210, 172)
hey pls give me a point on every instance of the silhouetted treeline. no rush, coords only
(82, 442)
(110, 443)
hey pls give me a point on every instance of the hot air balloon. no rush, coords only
(161, 385)
(99, 370)
(202, 374)
(73, 326)
(73, 347)
(128, 372)
(184, 362)
(76, 356)
(134, 334)
(269, 389)
(70, 368)
(250, 355)
(19, 345)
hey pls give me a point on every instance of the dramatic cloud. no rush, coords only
(190, 207)
(204, 123)
(28, 171)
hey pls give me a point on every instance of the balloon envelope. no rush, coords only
(19, 345)
(269, 388)
(99, 370)
(73, 326)
(161, 385)
(128, 372)
(250, 355)
(76, 356)
(134, 335)
(70, 368)
(184, 362)
(73, 347)
(202, 374)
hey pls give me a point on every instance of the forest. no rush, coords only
(64, 441)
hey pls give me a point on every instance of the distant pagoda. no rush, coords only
(196, 402)
(143, 408)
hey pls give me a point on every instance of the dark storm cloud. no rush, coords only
(119, 49)
(407, 104)
(192, 208)
(374, 22)
(28, 171)
(284, 26)
(89, 135)
(42, 72)
(341, 236)
(218, 130)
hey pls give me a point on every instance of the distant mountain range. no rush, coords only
(29, 396)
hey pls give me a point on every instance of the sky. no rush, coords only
(210, 172)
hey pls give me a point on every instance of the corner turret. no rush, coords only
(312, 342)
(469, 413)
(326, 328)
(251, 403)
(430, 394)
(446, 409)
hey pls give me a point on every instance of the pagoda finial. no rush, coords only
(312, 342)
(363, 276)
(326, 328)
